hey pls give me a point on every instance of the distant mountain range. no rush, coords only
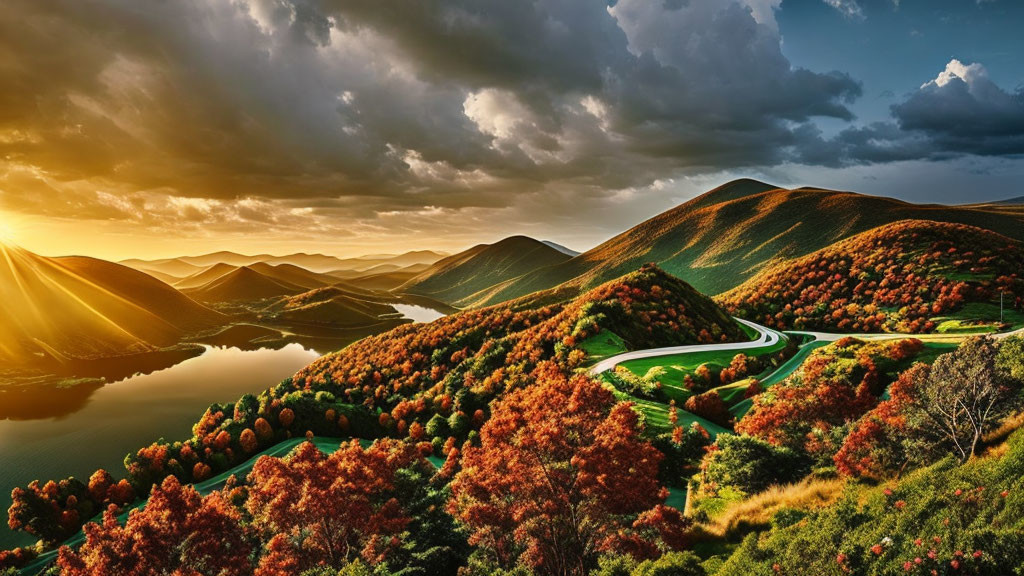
(723, 237)
(1018, 201)
(188, 265)
(76, 307)
(73, 309)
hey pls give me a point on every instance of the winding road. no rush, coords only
(766, 337)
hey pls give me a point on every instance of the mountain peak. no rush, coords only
(732, 190)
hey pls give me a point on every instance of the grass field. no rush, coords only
(978, 318)
(670, 371)
(602, 345)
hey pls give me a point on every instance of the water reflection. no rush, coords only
(122, 417)
(418, 313)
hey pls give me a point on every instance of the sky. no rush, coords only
(154, 128)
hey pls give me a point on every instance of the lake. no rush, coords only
(123, 416)
(100, 423)
(418, 313)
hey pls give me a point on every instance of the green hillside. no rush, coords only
(469, 277)
(721, 238)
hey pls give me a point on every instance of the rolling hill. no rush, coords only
(84, 308)
(723, 237)
(905, 277)
(406, 259)
(173, 267)
(475, 355)
(332, 306)
(205, 276)
(243, 284)
(184, 266)
(165, 278)
(293, 274)
(466, 278)
(386, 281)
(560, 248)
(1018, 201)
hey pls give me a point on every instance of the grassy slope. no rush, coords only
(719, 239)
(458, 279)
(987, 516)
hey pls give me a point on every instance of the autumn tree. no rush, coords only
(335, 508)
(709, 405)
(561, 475)
(52, 511)
(874, 446)
(834, 387)
(178, 532)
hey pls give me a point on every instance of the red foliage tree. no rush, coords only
(561, 475)
(873, 447)
(332, 504)
(177, 532)
(836, 385)
(710, 406)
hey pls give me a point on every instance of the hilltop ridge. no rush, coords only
(723, 237)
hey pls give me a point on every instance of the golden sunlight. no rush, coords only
(8, 235)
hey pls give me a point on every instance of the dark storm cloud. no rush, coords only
(336, 116)
(964, 111)
(446, 103)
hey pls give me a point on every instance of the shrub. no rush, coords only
(750, 464)
(671, 564)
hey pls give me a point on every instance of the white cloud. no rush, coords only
(848, 8)
(958, 70)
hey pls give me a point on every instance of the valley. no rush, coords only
(478, 288)
(774, 373)
(76, 324)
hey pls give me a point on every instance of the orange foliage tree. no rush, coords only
(316, 509)
(177, 532)
(835, 386)
(561, 475)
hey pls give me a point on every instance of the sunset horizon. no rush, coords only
(485, 288)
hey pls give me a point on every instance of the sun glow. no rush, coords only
(7, 233)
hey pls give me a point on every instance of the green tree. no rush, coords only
(1010, 359)
(751, 464)
(671, 564)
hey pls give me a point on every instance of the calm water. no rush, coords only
(101, 426)
(418, 313)
(124, 416)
